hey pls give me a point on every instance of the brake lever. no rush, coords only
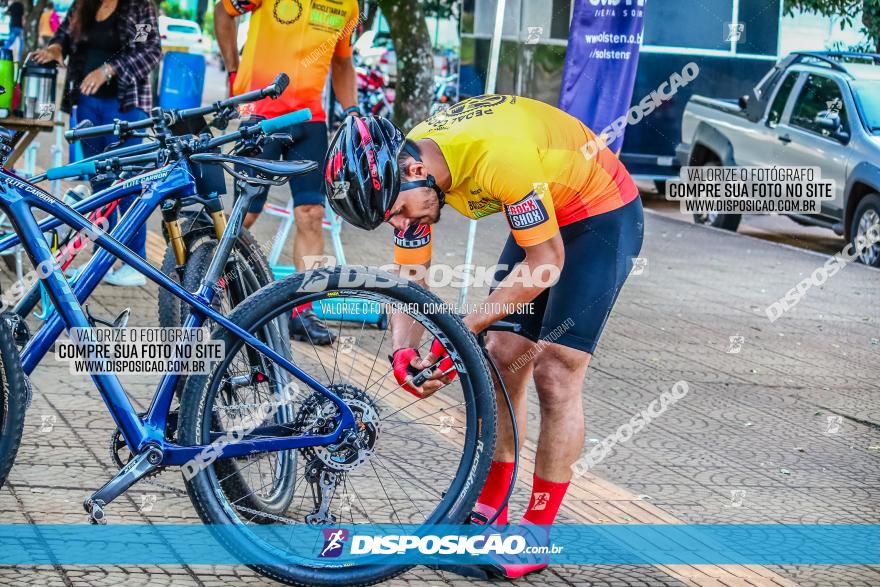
(123, 137)
(249, 147)
(222, 118)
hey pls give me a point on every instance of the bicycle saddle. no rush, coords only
(264, 167)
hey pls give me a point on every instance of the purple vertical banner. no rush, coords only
(601, 62)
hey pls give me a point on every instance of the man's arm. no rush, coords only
(513, 289)
(226, 33)
(405, 332)
(344, 80)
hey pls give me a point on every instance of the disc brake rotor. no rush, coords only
(318, 415)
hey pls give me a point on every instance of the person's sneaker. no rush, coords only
(125, 276)
(528, 563)
(308, 328)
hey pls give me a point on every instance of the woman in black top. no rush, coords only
(111, 48)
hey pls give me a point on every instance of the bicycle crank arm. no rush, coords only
(136, 469)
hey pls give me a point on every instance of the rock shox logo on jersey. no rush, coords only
(526, 213)
(414, 237)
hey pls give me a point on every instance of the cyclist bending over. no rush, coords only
(578, 213)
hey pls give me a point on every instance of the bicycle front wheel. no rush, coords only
(410, 461)
(13, 400)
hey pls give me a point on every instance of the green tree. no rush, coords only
(201, 9)
(441, 8)
(846, 11)
(415, 61)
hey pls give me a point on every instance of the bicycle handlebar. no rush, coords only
(144, 153)
(273, 91)
(90, 132)
(267, 127)
(169, 117)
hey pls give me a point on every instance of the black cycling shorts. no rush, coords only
(309, 144)
(599, 253)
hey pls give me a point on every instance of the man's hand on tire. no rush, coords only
(407, 364)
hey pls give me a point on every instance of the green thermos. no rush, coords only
(7, 80)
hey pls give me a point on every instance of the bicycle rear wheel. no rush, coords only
(412, 461)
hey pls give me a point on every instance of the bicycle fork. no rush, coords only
(171, 220)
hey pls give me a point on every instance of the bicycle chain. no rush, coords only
(277, 518)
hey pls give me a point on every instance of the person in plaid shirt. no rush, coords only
(111, 47)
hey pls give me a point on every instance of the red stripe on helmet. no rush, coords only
(366, 137)
(333, 167)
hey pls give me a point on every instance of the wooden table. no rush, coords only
(31, 127)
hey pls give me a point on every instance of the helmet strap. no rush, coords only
(413, 151)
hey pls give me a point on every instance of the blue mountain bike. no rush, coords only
(343, 444)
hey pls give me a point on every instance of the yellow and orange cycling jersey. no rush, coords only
(297, 37)
(536, 163)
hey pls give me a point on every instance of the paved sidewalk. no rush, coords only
(789, 421)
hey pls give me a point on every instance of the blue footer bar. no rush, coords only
(630, 544)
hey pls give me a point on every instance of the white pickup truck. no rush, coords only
(817, 109)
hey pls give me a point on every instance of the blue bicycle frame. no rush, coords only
(174, 181)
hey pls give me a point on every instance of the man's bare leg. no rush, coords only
(308, 242)
(559, 378)
(559, 374)
(309, 238)
(250, 218)
(507, 348)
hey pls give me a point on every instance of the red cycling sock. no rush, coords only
(295, 312)
(546, 498)
(495, 490)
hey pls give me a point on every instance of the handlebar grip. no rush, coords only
(285, 121)
(280, 84)
(89, 132)
(72, 170)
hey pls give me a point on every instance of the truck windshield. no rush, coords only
(867, 95)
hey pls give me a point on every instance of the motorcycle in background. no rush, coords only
(445, 92)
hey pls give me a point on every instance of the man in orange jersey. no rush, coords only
(305, 39)
(572, 209)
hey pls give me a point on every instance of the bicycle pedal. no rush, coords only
(96, 512)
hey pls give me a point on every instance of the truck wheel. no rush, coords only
(865, 231)
(724, 221)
